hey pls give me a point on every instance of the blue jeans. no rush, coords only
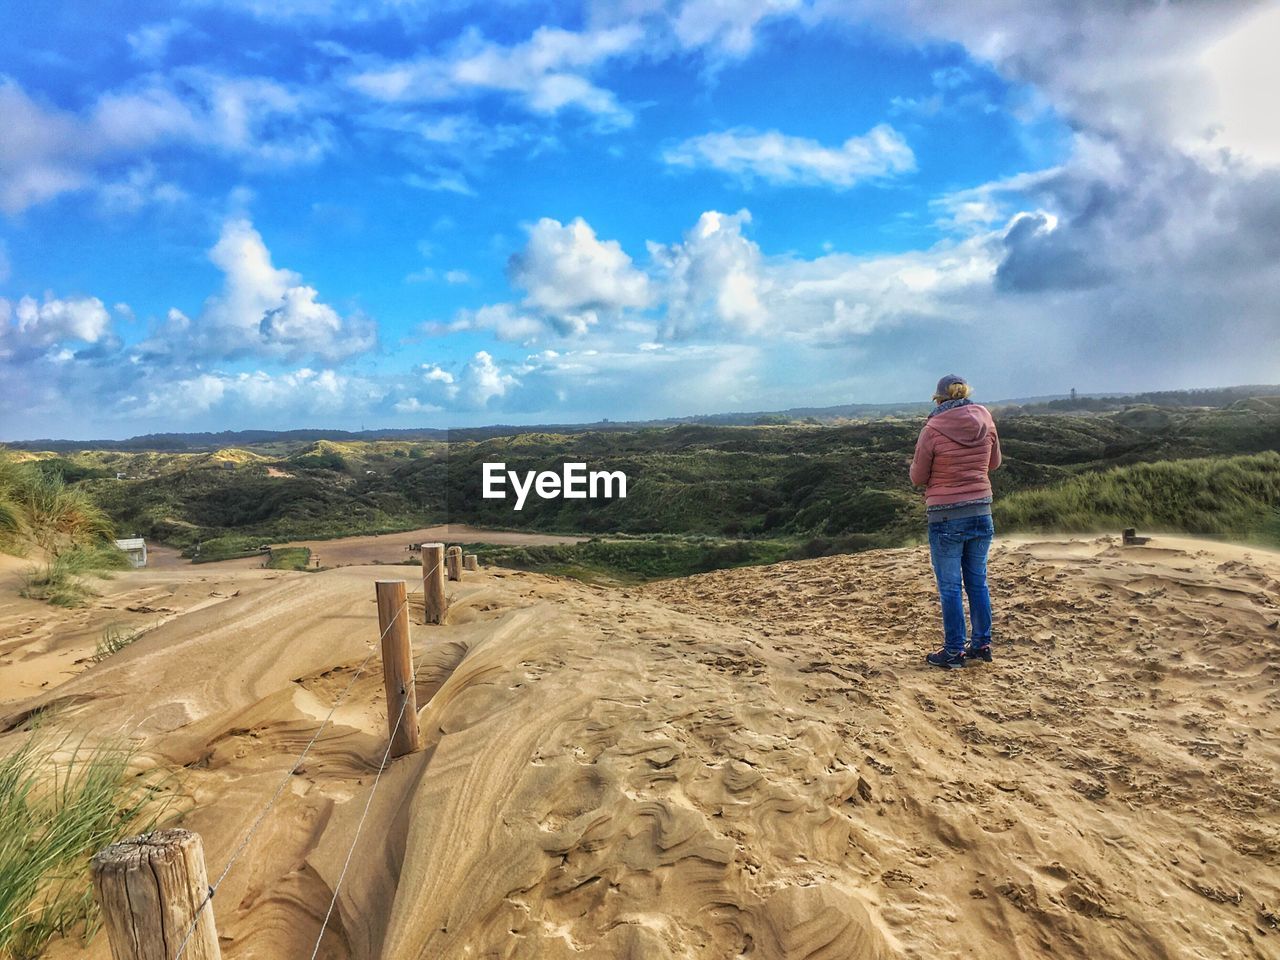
(959, 551)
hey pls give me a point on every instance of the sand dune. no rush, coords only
(749, 763)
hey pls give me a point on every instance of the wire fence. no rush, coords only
(284, 783)
(346, 863)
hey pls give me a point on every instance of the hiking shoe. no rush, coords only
(947, 661)
(973, 651)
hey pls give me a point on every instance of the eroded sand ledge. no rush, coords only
(746, 763)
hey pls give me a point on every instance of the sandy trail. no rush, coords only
(393, 547)
(749, 763)
(376, 548)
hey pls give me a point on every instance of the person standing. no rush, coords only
(955, 453)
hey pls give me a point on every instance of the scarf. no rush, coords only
(949, 405)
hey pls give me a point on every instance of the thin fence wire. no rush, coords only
(404, 703)
(284, 782)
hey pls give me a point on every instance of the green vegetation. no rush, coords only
(231, 547)
(289, 558)
(630, 560)
(61, 581)
(10, 518)
(60, 803)
(232, 507)
(1235, 496)
(698, 494)
(114, 639)
(38, 508)
(53, 513)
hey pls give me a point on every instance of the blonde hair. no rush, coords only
(957, 391)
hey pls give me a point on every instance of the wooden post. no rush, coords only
(397, 668)
(453, 557)
(433, 601)
(149, 889)
(470, 562)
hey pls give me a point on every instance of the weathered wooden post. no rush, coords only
(150, 889)
(470, 562)
(397, 668)
(454, 558)
(434, 604)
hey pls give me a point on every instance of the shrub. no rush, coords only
(289, 558)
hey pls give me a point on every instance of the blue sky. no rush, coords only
(223, 215)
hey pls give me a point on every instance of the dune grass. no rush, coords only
(59, 803)
(61, 581)
(115, 637)
(1221, 496)
(54, 514)
(40, 509)
(10, 517)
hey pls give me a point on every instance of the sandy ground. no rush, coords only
(751, 763)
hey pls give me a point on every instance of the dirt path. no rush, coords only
(377, 548)
(393, 547)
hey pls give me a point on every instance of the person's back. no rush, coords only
(956, 451)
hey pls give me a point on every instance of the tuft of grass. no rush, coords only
(115, 638)
(10, 517)
(60, 581)
(59, 515)
(59, 804)
(53, 584)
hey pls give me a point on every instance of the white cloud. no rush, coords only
(713, 279)
(839, 298)
(717, 284)
(481, 380)
(47, 151)
(40, 153)
(1245, 72)
(728, 27)
(434, 374)
(571, 275)
(52, 323)
(506, 321)
(300, 320)
(1136, 72)
(414, 405)
(784, 160)
(151, 41)
(545, 72)
(262, 309)
(485, 380)
(441, 181)
(302, 392)
(138, 188)
(721, 29)
(456, 277)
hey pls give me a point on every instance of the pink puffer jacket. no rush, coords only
(956, 450)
